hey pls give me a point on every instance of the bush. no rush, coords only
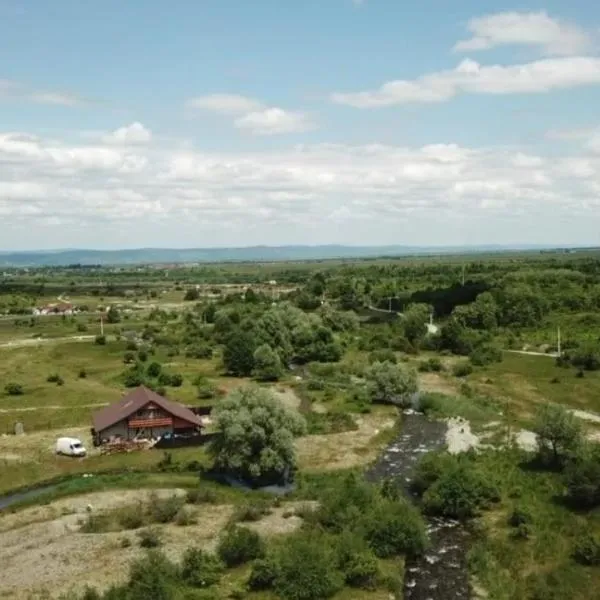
(431, 365)
(263, 575)
(199, 351)
(357, 562)
(185, 517)
(485, 354)
(131, 517)
(587, 551)
(240, 545)
(200, 569)
(100, 340)
(55, 378)
(14, 389)
(395, 528)
(128, 358)
(150, 578)
(462, 369)
(82, 373)
(150, 538)
(154, 369)
(81, 327)
(201, 496)
(520, 516)
(131, 345)
(98, 523)
(385, 355)
(164, 510)
(307, 569)
(254, 511)
(460, 493)
(582, 479)
(142, 355)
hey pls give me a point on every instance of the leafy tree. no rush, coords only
(151, 578)
(391, 383)
(113, 315)
(582, 478)
(267, 364)
(154, 369)
(238, 354)
(587, 550)
(415, 322)
(485, 354)
(100, 340)
(257, 436)
(559, 432)
(191, 294)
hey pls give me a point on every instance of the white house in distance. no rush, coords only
(58, 308)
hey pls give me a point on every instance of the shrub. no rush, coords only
(485, 354)
(205, 388)
(587, 550)
(307, 569)
(263, 574)
(357, 562)
(55, 378)
(199, 351)
(200, 569)
(176, 380)
(240, 545)
(142, 355)
(131, 517)
(394, 528)
(82, 327)
(460, 493)
(254, 511)
(582, 478)
(164, 510)
(100, 340)
(14, 389)
(95, 523)
(82, 373)
(125, 542)
(462, 369)
(201, 496)
(384, 355)
(131, 345)
(154, 369)
(150, 538)
(185, 517)
(431, 365)
(133, 378)
(150, 578)
(519, 516)
(128, 358)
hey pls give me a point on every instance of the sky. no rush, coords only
(201, 123)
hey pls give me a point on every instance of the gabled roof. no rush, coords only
(135, 400)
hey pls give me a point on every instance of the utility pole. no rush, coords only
(463, 275)
(558, 340)
(101, 325)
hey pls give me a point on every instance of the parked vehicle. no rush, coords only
(70, 447)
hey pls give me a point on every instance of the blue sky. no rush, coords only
(222, 122)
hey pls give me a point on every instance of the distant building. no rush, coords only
(62, 308)
(143, 414)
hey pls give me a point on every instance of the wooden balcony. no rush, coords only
(150, 423)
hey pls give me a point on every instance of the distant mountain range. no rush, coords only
(35, 258)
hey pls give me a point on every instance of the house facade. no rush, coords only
(143, 414)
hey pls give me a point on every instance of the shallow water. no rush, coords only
(441, 573)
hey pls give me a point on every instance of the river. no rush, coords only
(441, 573)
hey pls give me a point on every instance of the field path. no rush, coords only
(24, 343)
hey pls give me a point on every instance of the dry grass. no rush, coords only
(43, 548)
(343, 450)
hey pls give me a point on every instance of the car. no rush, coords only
(69, 446)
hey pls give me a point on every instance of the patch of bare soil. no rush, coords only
(343, 450)
(53, 554)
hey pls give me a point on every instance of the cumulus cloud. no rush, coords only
(273, 121)
(320, 193)
(226, 104)
(551, 35)
(129, 135)
(253, 116)
(470, 77)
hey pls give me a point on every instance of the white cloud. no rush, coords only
(272, 121)
(57, 194)
(552, 36)
(226, 104)
(470, 77)
(13, 90)
(253, 116)
(129, 135)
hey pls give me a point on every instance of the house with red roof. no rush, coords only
(143, 414)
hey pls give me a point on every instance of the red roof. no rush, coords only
(136, 400)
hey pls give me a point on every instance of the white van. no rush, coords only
(69, 447)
